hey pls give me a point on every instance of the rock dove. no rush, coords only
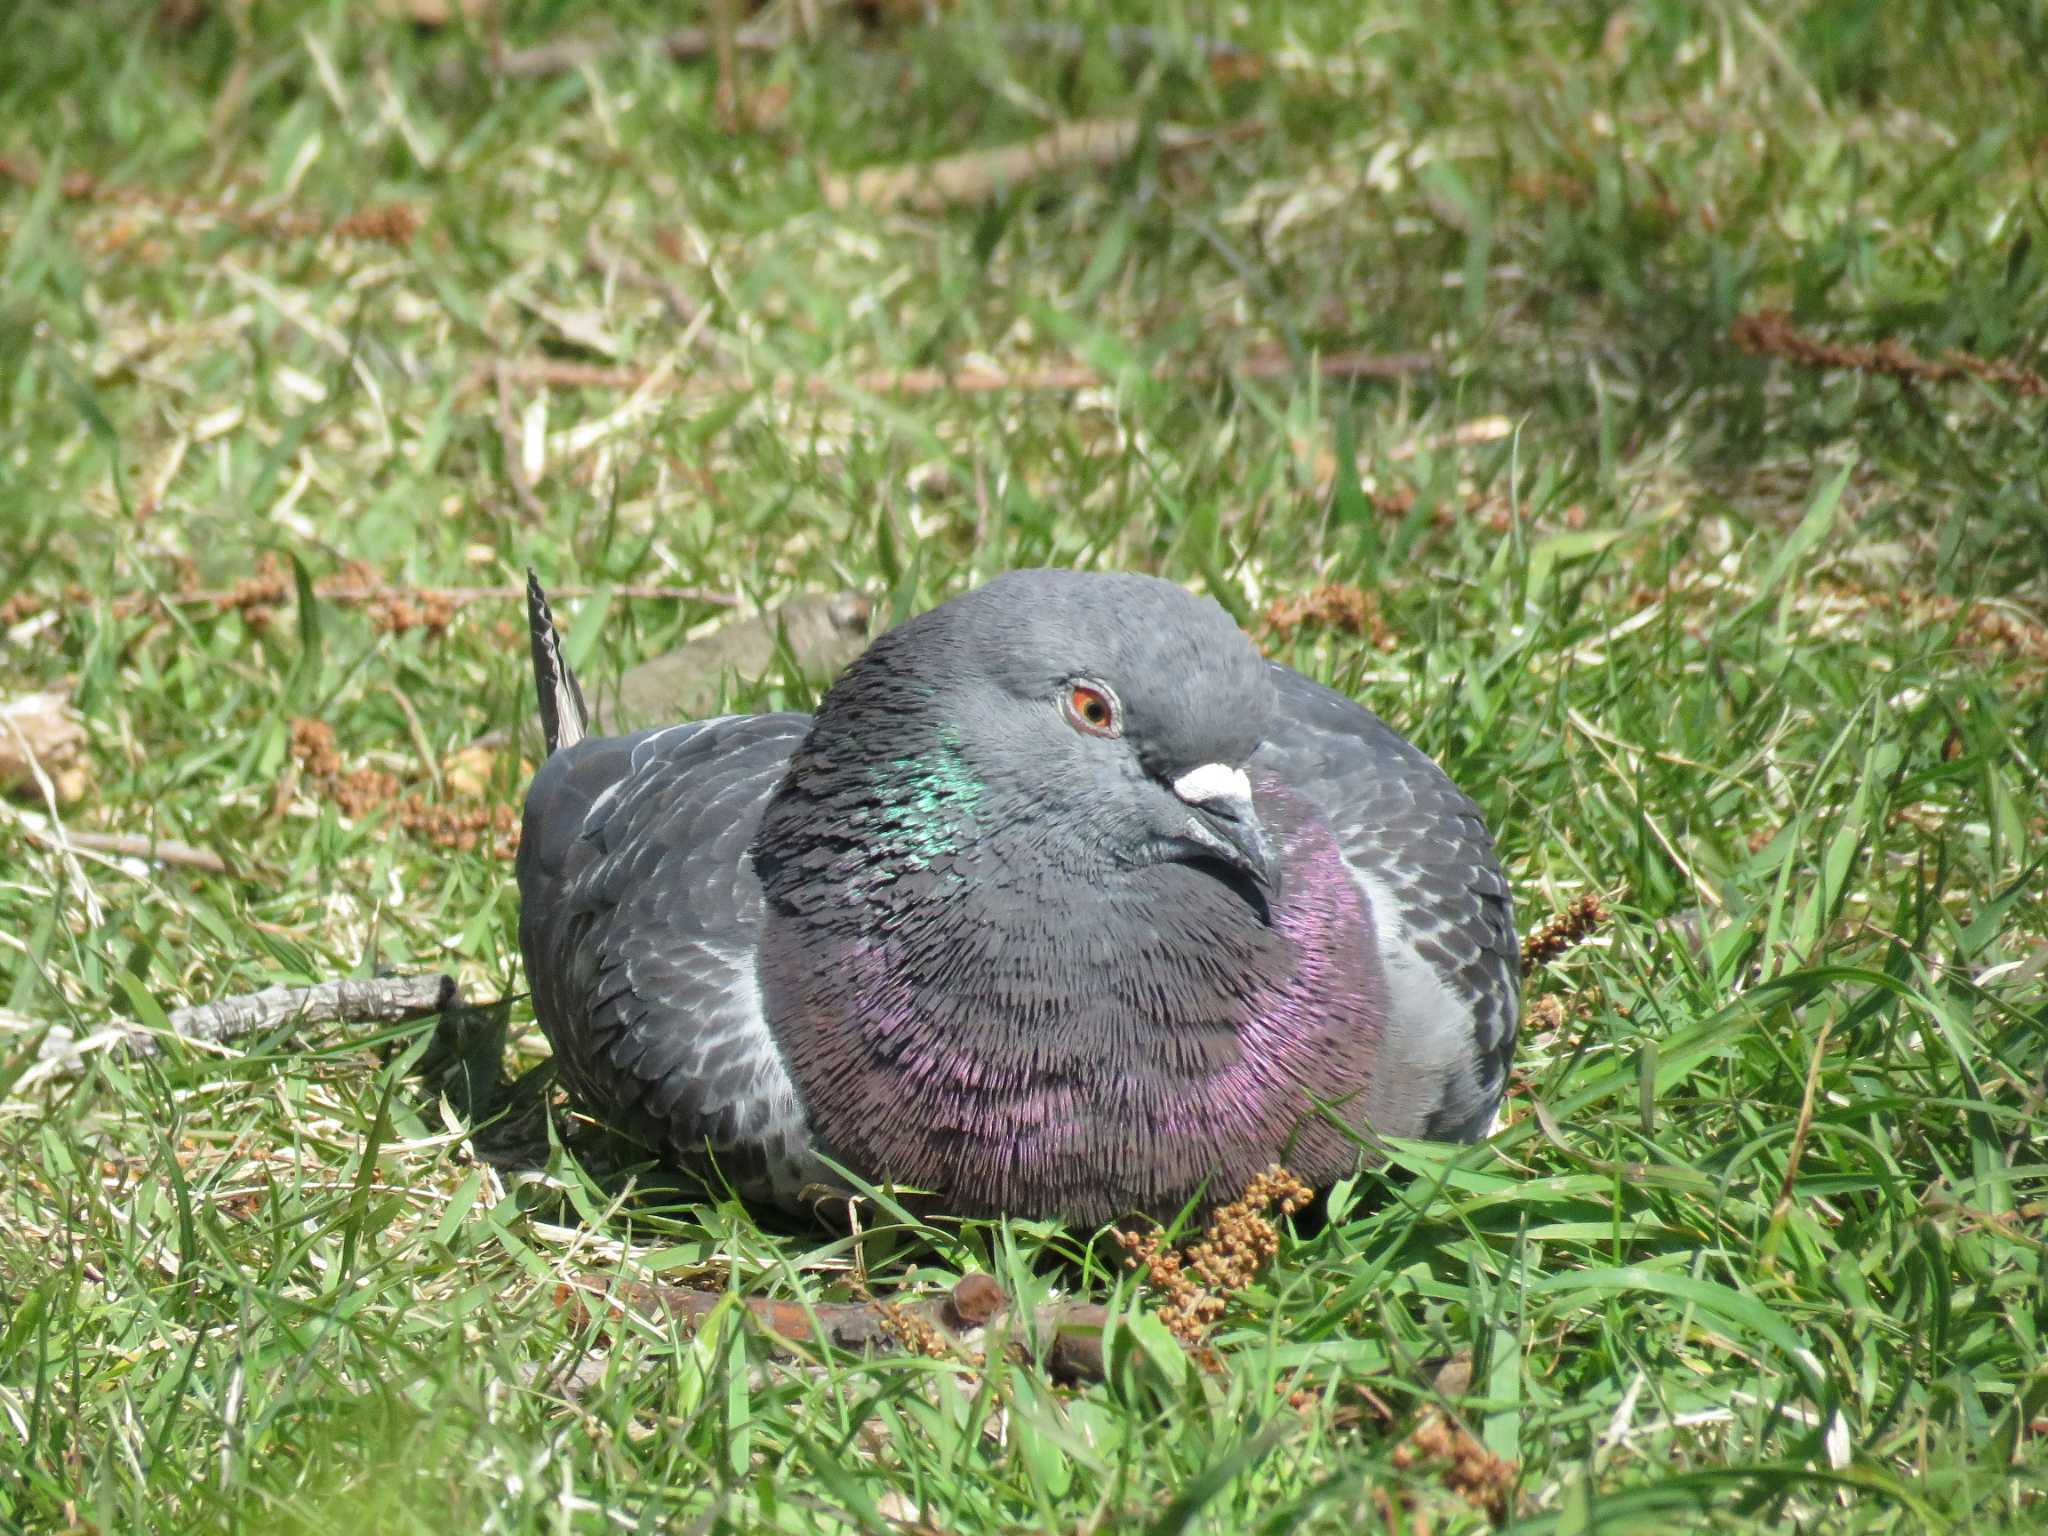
(1066, 903)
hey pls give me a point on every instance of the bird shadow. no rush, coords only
(520, 1127)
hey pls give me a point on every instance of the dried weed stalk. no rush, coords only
(1195, 1287)
(1565, 930)
(1468, 1468)
(1771, 333)
(392, 608)
(463, 825)
(911, 1331)
(2001, 631)
(1347, 609)
(386, 223)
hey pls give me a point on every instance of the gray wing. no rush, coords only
(639, 918)
(1423, 859)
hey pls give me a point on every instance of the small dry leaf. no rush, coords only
(583, 329)
(40, 730)
(469, 771)
(767, 107)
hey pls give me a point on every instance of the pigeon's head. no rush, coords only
(1107, 719)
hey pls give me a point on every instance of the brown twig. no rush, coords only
(1771, 333)
(1065, 1338)
(387, 223)
(453, 597)
(1057, 378)
(378, 1000)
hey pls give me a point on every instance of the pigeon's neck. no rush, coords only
(961, 1013)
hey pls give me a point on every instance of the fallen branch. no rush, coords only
(978, 174)
(132, 845)
(1065, 1338)
(378, 1000)
(1057, 378)
(1771, 333)
(449, 597)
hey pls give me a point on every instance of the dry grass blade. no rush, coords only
(1805, 1126)
(979, 174)
(564, 55)
(514, 456)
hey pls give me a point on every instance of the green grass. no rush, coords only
(1754, 649)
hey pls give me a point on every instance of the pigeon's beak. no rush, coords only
(1227, 824)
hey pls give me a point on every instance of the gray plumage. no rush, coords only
(947, 932)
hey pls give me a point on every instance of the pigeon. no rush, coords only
(1065, 904)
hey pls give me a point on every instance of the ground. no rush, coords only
(1639, 405)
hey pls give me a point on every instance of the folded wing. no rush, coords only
(640, 918)
(1423, 858)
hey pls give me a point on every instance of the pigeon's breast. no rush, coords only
(1093, 1048)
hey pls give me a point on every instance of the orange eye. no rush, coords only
(1091, 709)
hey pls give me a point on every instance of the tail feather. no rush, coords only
(564, 720)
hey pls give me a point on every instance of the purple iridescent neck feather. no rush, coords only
(972, 1021)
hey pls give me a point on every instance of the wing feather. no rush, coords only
(640, 916)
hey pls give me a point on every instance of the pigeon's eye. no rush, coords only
(1093, 710)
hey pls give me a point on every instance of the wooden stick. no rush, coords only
(377, 1000)
(131, 845)
(973, 175)
(462, 597)
(1065, 1338)
(1056, 378)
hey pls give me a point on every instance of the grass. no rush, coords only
(1755, 649)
